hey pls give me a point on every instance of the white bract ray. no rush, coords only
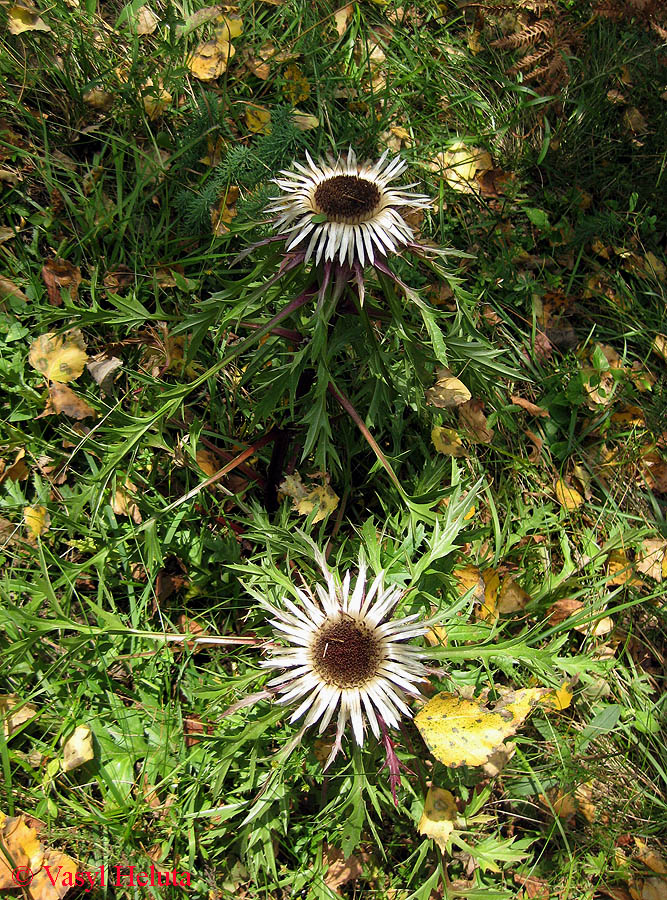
(345, 212)
(345, 655)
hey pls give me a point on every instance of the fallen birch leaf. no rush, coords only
(459, 165)
(258, 119)
(342, 18)
(28, 854)
(14, 713)
(438, 820)
(340, 869)
(25, 17)
(499, 759)
(559, 698)
(567, 496)
(562, 609)
(462, 732)
(36, 519)
(62, 399)
(18, 471)
(652, 559)
(228, 26)
(650, 858)
(78, 749)
(660, 346)
(210, 59)
(488, 611)
(511, 597)
(447, 391)
(103, 370)
(447, 441)
(155, 98)
(470, 578)
(619, 569)
(59, 357)
(98, 99)
(304, 121)
(145, 21)
(8, 289)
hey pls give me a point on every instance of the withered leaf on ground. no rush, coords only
(62, 399)
(59, 357)
(58, 275)
(472, 418)
(103, 370)
(448, 391)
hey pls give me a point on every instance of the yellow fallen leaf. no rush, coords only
(559, 698)
(342, 18)
(650, 858)
(17, 471)
(447, 441)
(60, 357)
(155, 99)
(228, 26)
(438, 820)
(447, 391)
(210, 59)
(660, 346)
(322, 497)
(304, 121)
(511, 597)
(98, 99)
(36, 520)
(600, 627)
(78, 749)
(14, 713)
(488, 611)
(258, 119)
(460, 164)
(28, 855)
(470, 578)
(619, 569)
(461, 732)
(295, 87)
(24, 17)
(567, 496)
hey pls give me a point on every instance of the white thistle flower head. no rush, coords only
(346, 654)
(343, 212)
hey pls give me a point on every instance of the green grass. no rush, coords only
(98, 615)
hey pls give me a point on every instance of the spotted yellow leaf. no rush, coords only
(36, 520)
(210, 59)
(60, 357)
(439, 817)
(258, 119)
(321, 497)
(447, 441)
(560, 698)
(228, 27)
(461, 732)
(488, 611)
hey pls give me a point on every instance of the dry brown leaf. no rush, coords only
(511, 597)
(304, 121)
(472, 418)
(534, 888)
(470, 578)
(62, 399)
(650, 858)
(210, 59)
(447, 391)
(123, 503)
(634, 121)
(649, 889)
(37, 520)
(197, 19)
(531, 408)
(59, 274)
(562, 609)
(78, 749)
(499, 759)
(25, 17)
(14, 713)
(439, 817)
(103, 370)
(340, 870)
(17, 471)
(567, 496)
(8, 289)
(655, 472)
